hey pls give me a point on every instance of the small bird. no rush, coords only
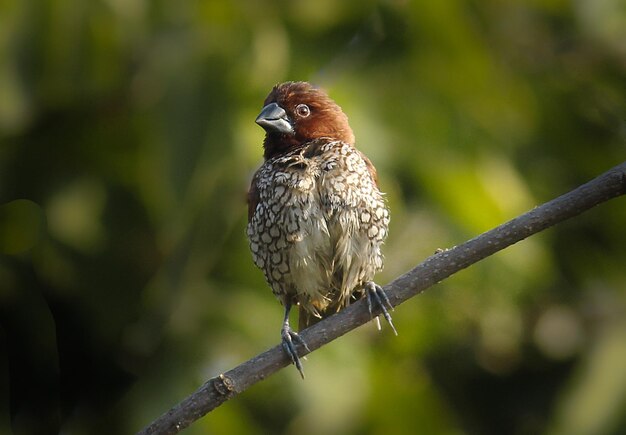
(316, 219)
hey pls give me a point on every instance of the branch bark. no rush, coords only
(433, 270)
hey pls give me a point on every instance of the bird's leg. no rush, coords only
(376, 296)
(289, 336)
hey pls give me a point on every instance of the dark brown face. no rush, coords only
(295, 113)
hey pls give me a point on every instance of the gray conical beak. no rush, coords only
(273, 118)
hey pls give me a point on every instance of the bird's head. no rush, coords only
(295, 113)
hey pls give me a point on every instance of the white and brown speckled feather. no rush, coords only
(316, 225)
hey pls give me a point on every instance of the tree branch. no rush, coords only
(433, 270)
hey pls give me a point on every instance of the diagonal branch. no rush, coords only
(433, 270)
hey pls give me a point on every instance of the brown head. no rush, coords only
(295, 113)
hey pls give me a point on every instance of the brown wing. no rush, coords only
(253, 197)
(370, 168)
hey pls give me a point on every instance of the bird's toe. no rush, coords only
(377, 299)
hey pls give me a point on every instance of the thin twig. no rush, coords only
(433, 270)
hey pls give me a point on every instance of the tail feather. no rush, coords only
(306, 319)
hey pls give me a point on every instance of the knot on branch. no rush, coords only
(224, 385)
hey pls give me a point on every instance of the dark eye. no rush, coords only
(303, 110)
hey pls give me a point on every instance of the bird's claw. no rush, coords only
(377, 296)
(290, 339)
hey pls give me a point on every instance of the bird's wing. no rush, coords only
(370, 168)
(253, 196)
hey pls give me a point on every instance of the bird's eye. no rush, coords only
(303, 110)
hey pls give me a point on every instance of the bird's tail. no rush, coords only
(306, 318)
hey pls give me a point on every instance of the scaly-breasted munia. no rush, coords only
(316, 219)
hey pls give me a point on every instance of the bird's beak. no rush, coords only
(273, 118)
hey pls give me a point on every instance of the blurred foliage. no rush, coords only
(127, 140)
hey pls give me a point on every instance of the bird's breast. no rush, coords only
(318, 226)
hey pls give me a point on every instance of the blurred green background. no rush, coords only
(127, 142)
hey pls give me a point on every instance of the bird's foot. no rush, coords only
(376, 296)
(290, 339)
